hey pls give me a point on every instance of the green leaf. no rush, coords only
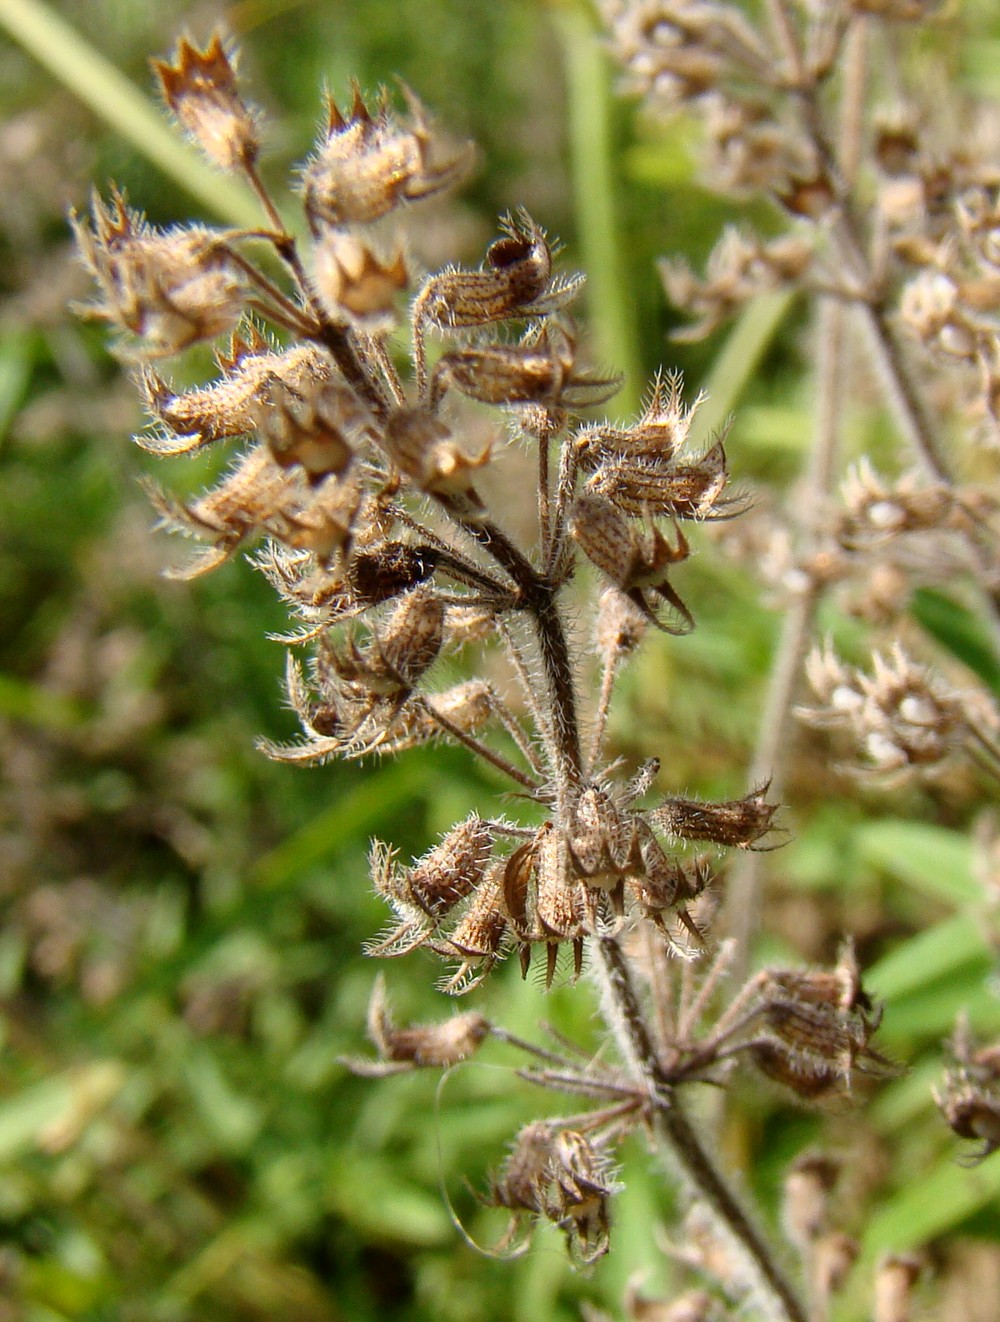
(959, 631)
(926, 1208)
(929, 858)
(746, 345)
(941, 950)
(350, 818)
(61, 1106)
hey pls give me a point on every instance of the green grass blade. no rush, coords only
(930, 955)
(595, 186)
(931, 859)
(738, 359)
(109, 94)
(927, 1207)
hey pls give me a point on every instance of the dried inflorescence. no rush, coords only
(901, 718)
(357, 469)
(558, 1174)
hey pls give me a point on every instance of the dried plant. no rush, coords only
(377, 415)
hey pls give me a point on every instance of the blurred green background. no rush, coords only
(180, 956)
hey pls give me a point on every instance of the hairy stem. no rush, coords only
(679, 1138)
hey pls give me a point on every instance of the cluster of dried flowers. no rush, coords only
(885, 219)
(370, 472)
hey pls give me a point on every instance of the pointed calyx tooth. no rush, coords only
(357, 285)
(368, 162)
(200, 88)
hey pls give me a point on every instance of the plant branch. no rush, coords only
(678, 1137)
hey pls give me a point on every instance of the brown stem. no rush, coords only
(538, 599)
(680, 1140)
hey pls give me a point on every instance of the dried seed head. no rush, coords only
(969, 1099)
(515, 281)
(229, 406)
(170, 288)
(877, 511)
(559, 1175)
(200, 88)
(636, 560)
(391, 568)
(673, 490)
(739, 268)
(452, 870)
(933, 310)
(656, 436)
(738, 822)
(369, 162)
(895, 1279)
(541, 369)
(420, 1046)
(902, 717)
(411, 638)
(423, 448)
(818, 1024)
(478, 936)
(316, 429)
(356, 286)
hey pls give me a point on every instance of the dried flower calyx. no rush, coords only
(402, 1049)
(562, 1176)
(169, 288)
(901, 717)
(200, 88)
(368, 162)
(969, 1098)
(813, 1029)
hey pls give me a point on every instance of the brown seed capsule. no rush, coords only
(673, 490)
(228, 407)
(538, 370)
(367, 163)
(452, 870)
(170, 288)
(411, 638)
(515, 281)
(316, 429)
(480, 931)
(392, 568)
(560, 1176)
(738, 822)
(356, 286)
(423, 449)
(420, 1046)
(200, 88)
